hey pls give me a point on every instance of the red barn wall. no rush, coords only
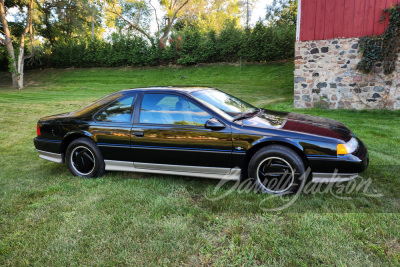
(328, 19)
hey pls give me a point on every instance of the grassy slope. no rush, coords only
(49, 217)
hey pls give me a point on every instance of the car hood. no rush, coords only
(301, 123)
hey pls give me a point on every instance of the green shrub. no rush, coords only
(187, 46)
(229, 42)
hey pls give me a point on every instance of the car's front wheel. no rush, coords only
(84, 159)
(277, 169)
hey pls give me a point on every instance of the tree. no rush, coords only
(172, 8)
(210, 14)
(134, 12)
(62, 20)
(246, 7)
(128, 14)
(282, 12)
(16, 65)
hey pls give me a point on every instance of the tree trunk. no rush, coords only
(17, 68)
(92, 23)
(92, 28)
(164, 38)
(14, 80)
(21, 60)
(20, 81)
(10, 48)
(171, 20)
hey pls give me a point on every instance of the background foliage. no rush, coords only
(188, 46)
(282, 12)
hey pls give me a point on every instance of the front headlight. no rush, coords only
(348, 148)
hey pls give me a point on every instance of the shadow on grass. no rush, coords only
(372, 192)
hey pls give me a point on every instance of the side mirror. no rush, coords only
(214, 124)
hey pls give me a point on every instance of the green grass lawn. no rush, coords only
(47, 216)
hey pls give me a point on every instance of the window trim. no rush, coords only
(135, 95)
(191, 100)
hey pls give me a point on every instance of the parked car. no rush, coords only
(202, 132)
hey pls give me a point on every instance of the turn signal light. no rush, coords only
(347, 148)
(341, 149)
(38, 130)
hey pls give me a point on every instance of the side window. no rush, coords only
(119, 111)
(171, 109)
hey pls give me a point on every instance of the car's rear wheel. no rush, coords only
(84, 158)
(277, 170)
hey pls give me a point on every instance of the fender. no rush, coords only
(72, 135)
(308, 148)
(243, 159)
(79, 132)
(278, 139)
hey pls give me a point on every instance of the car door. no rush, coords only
(111, 128)
(169, 129)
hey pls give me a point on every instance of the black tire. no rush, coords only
(278, 170)
(84, 158)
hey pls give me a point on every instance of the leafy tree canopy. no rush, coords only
(212, 14)
(282, 12)
(61, 20)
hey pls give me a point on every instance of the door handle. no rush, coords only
(138, 134)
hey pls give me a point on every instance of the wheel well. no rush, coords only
(67, 140)
(257, 147)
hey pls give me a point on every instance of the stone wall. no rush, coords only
(325, 75)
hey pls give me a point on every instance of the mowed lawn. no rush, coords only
(49, 217)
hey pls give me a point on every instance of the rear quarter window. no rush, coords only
(119, 111)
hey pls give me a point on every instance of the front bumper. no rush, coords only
(349, 164)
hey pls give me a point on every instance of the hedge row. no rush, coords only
(190, 46)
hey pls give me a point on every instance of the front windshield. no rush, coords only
(224, 102)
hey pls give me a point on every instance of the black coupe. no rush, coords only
(203, 132)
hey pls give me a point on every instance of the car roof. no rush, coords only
(185, 89)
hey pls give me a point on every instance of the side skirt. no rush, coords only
(333, 177)
(194, 171)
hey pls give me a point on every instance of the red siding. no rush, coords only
(339, 18)
(369, 14)
(307, 26)
(320, 20)
(327, 19)
(359, 18)
(348, 19)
